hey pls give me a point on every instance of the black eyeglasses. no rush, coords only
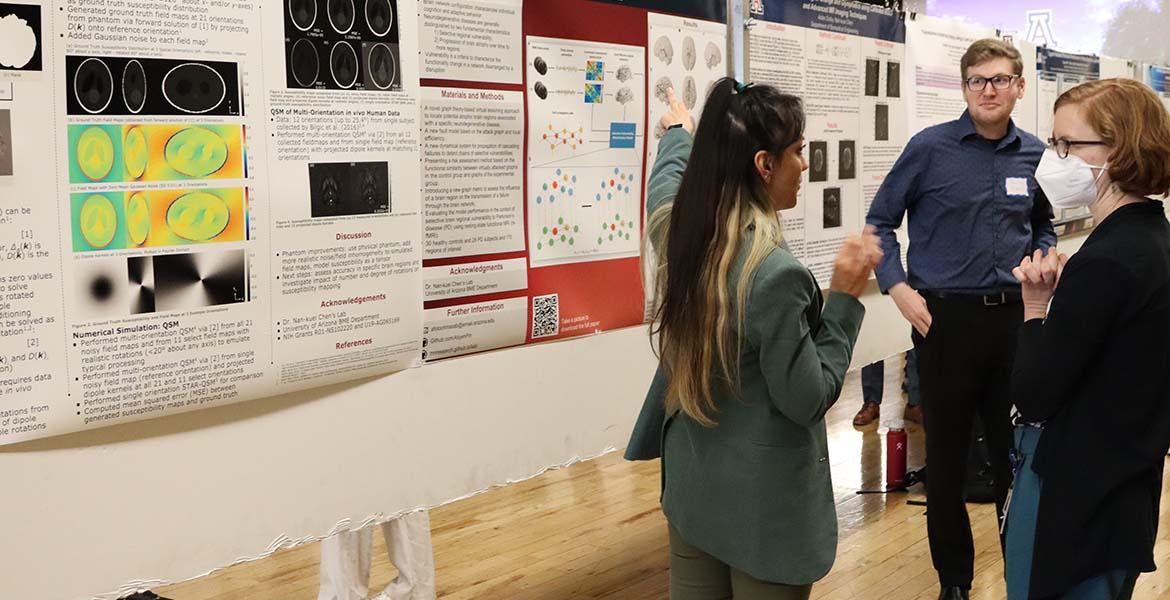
(977, 83)
(1062, 145)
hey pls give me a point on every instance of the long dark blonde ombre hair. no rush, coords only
(721, 209)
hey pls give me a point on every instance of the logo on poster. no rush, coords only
(757, 7)
(1040, 28)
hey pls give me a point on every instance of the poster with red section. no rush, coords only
(534, 143)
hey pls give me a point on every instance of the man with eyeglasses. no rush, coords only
(975, 211)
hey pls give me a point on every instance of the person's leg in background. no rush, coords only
(346, 558)
(995, 405)
(910, 387)
(948, 375)
(694, 574)
(873, 378)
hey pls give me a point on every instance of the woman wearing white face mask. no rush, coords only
(1092, 372)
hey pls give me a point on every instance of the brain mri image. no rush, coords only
(93, 85)
(873, 69)
(664, 49)
(846, 160)
(625, 95)
(198, 216)
(342, 45)
(95, 153)
(690, 95)
(540, 66)
(196, 152)
(343, 64)
(341, 14)
(135, 152)
(379, 16)
(194, 88)
(303, 13)
(137, 218)
(712, 55)
(660, 87)
(134, 86)
(624, 73)
(343, 189)
(881, 123)
(832, 208)
(818, 167)
(305, 63)
(893, 80)
(689, 56)
(116, 85)
(540, 90)
(381, 66)
(98, 221)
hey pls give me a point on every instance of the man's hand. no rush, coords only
(913, 307)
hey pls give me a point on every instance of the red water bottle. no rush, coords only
(896, 459)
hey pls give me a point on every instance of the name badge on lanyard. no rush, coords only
(1016, 186)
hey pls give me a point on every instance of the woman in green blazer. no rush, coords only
(751, 354)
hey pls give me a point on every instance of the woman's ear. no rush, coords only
(764, 163)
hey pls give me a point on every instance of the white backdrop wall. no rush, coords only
(173, 498)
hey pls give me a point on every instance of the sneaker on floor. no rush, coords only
(868, 415)
(913, 414)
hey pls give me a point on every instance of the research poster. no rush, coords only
(689, 56)
(935, 48)
(847, 63)
(1058, 72)
(204, 203)
(534, 155)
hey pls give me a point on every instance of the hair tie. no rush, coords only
(742, 87)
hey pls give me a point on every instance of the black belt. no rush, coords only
(989, 299)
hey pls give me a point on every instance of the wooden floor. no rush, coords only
(595, 531)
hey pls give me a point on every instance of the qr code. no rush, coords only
(546, 315)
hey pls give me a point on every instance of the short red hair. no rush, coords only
(1133, 122)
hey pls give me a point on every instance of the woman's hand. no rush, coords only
(1039, 275)
(856, 261)
(677, 115)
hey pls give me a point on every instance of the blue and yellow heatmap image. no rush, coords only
(158, 218)
(142, 153)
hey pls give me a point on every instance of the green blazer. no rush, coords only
(755, 490)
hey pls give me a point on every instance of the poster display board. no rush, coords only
(534, 177)
(846, 63)
(203, 203)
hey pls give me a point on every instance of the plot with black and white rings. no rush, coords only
(342, 45)
(114, 85)
(20, 38)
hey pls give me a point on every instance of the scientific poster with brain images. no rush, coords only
(203, 203)
(534, 162)
(845, 61)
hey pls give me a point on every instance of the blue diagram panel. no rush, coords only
(623, 135)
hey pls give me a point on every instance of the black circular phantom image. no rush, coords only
(303, 13)
(383, 68)
(379, 16)
(541, 90)
(93, 85)
(101, 288)
(341, 14)
(134, 86)
(305, 63)
(194, 88)
(343, 62)
(541, 66)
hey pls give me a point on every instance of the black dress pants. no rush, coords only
(964, 367)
